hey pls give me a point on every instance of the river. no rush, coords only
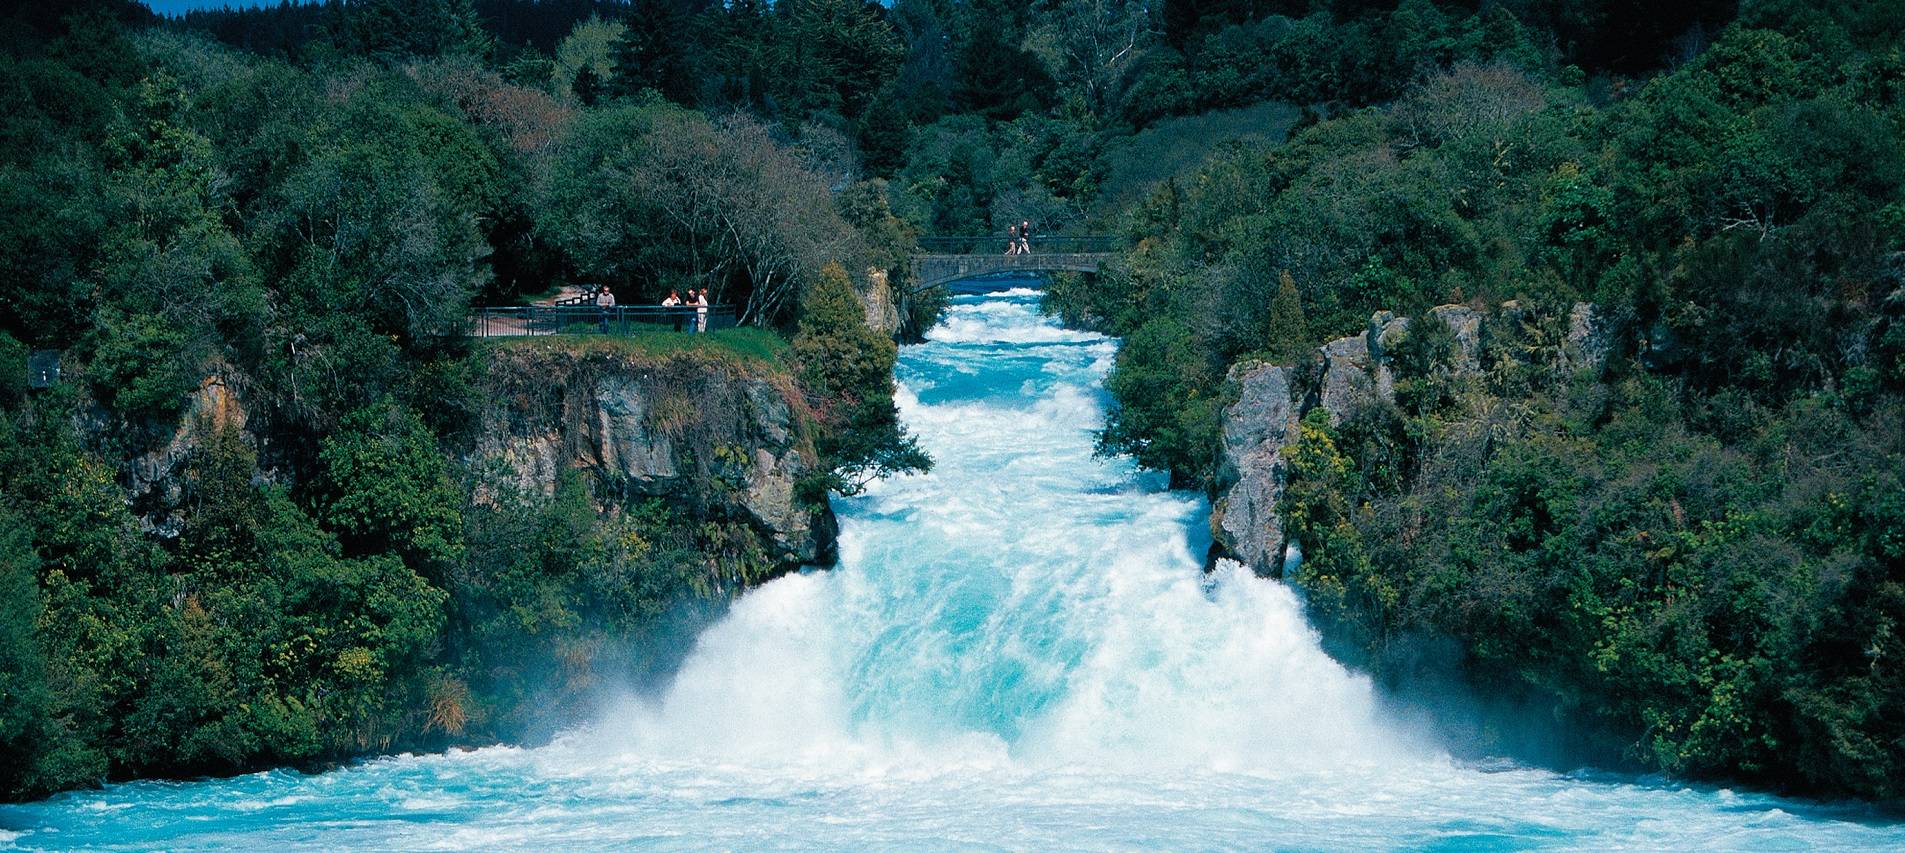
(1019, 650)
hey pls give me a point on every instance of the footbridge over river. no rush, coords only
(944, 260)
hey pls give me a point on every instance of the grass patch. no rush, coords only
(745, 345)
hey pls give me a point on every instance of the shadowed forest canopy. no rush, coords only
(1692, 552)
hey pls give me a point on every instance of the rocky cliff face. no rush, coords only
(715, 439)
(883, 309)
(706, 435)
(1256, 429)
(1347, 373)
(155, 478)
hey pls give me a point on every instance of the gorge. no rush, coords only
(1018, 649)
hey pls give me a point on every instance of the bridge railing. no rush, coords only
(529, 320)
(996, 245)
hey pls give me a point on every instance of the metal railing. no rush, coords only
(586, 297)
(995, 244)
(528, 320)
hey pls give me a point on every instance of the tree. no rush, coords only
(589, 48)
(396, 30)
(659, 50)
(992, 75)
(172, 280)
(1168, 402)
(656, 197)
(24, 698)
(1289, 333)
(1090, 47)
(883, 131)
(384, 489)
(846, 370)
(834, 56)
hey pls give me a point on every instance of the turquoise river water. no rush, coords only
(1019, 650)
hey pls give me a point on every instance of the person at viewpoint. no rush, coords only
(605, 299)
(673, 301)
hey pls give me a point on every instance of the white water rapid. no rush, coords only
(1019, 650)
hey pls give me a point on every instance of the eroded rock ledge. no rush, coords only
(1343, 375)
(710, 436)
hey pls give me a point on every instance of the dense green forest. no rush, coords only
(1691, 558)
(280, 252)
(1694, 554)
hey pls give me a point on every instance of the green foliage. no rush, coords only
(1168, 401)
(549, 579)
(846, 370)
(653, 198)
(588, 49)
(312, 235)
(1317, 505)
(24, 696)
(140, 366)
(396, 30)
(1289, 332)
(1674, 554)
(1695, 550)
(384, 488)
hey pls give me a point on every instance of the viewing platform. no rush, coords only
(585, 319)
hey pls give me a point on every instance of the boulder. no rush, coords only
(1386, 330)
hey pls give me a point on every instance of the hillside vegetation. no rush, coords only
(1692, 558)
(251, 524)
(265, 516)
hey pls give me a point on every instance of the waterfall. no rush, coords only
(1019, 649)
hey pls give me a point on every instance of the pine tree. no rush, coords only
(395, 30)
(658, 51)
(1289, 331)
(883, 136)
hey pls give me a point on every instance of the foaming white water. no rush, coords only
(1018, 650)
(1024, 599)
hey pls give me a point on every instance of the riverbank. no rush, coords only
(220, 594)
(967, 678)
(1511, 515)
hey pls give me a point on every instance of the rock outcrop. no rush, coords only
(1350, 373)
(1465, 324)
(1346, 376)
(155, 479)
(1587, 336)
(883, 309)
(702, 433)
(1256, 430)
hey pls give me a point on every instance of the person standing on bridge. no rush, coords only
(701, 311)
(1025, 237)
(1012, 239)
